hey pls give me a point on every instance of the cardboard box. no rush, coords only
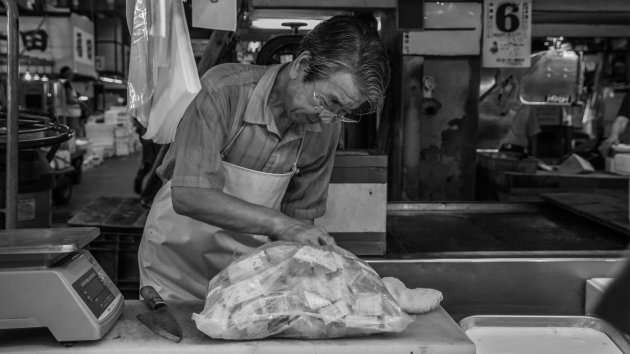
(356, 207)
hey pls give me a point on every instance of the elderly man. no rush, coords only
(619, 132)
(253, 154)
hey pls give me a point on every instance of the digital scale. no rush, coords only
(48, 280)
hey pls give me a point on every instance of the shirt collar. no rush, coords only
(257, 111)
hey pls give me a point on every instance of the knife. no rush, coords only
(159, 319)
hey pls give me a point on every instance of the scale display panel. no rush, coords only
(93, 291)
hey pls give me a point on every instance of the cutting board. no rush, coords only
(609, 208)
(431, 333)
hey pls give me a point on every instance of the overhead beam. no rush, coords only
(324, 4)
(569, 12)
(537, 5)
(595, 18)
(582, 5)
(579, 30)
(319, 14)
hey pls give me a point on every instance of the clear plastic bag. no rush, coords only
(177, 81)
(163, 77)
(286, 289)
(142, 68)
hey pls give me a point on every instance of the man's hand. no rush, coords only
(303, 232)
(618, 128)
(604, 146)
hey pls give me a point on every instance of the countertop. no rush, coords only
(433, 332)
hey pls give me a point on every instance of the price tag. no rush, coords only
(561, 99)
(507, 33)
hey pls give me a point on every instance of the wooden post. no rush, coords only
(389, 138)
(218, 40)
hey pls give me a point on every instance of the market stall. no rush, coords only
(523, 248)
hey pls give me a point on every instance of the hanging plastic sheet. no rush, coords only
(163, 77)
(142, 69)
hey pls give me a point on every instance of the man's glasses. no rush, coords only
(327, 114)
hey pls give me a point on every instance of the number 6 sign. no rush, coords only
(507, 33)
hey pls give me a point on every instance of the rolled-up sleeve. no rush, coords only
(200, 135)
(307, 193)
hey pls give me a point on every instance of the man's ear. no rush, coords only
(298, 64)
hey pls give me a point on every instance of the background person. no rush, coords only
(76, 110)
(619, 132)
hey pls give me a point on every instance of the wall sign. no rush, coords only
(452, 28)
(214, 14)
(507, 33)
(65, 40)
(83, 46)
(35, 40)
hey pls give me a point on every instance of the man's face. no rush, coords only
(312, 102)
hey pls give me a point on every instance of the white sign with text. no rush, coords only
(507, 33)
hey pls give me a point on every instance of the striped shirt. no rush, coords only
(235, 95)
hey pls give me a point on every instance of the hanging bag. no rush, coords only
(171, 70)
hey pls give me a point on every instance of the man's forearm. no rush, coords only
(618, 127)
(222, 210)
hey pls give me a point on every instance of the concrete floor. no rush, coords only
(114, 177)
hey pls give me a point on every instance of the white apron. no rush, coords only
(179, 255)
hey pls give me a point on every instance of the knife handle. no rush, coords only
(152, 298)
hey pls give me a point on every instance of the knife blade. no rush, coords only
(159, 319)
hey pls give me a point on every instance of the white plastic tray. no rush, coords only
(543, 335)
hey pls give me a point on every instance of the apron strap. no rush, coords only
(231, 141)
(294, 168)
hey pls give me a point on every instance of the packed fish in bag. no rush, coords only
(287, 289)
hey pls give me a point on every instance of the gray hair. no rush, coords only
(349, 44)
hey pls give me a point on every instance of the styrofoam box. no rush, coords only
(609, 164)
(120, 132)
(104, 151)
(622, 164)
(123, 149)
(117, 115)
(100, 133)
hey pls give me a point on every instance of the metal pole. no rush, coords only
(11, 191)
